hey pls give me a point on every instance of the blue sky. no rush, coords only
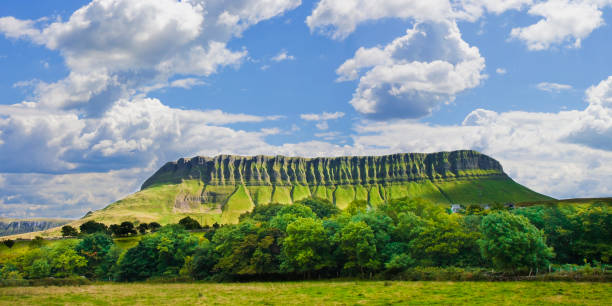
(99, 94)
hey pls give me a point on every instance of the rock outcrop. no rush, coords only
(15, 226)
(354, 170)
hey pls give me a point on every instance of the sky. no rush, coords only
(97, 95)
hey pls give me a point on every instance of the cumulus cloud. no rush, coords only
(283, 56)
(594, 127)
(553, 87)
(558, 154)
(564, 23)
(28, 195)
(115, 47)
(339, 19)
(131, 133)
(414, 74)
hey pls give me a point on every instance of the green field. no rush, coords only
(316, 293)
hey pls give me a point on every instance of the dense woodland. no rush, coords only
(313, 239)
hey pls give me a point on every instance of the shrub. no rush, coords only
(189, 223)
(69, 231)
(9, 243)
(91, 227)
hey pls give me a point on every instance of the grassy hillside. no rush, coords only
(224, 204)
(220, 189)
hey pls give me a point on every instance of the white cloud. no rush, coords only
(322, 116)
(323, 125)
(340, 18)
(328, 135)
(594, 127)
(414, 74)
(187, 83)
(561, 154)
(28, 195)
(131, 133)
(600, 94)
(283, 56)
(553, 87)
(565, 22)
(114, 48)
(501, 71)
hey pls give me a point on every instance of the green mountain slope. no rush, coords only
(221, 188)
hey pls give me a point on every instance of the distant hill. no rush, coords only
(220, 188)
(20, 226)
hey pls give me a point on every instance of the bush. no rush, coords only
(9, 243)
(154, 226)
(91, 227)
(69, 231)
(189, 223)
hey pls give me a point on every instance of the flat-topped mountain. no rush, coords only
(219, 189)
(362, 170)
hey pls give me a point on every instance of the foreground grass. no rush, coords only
(317, 293)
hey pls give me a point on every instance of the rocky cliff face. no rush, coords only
(356, 170)
(13, 227)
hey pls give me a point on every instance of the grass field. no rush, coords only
(316, 293)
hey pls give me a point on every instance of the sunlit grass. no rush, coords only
(316, 293)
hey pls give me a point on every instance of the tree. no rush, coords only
(142, 228)
(95, 248)
(9, 243)
(306, 246)
(474, 209)
(512, 243)
(204, 260)
(65, 261)
(126, 228)
(290, 213)
(321, 207)
(357, 207)
(160, 254)
(69, 231)
(357, 243)
(189, 224)
(115, 230)
(444, 242)
(247, 249)
(263, 212)
(381, 225)
(154, 226)
(92, 226)
(40, 268)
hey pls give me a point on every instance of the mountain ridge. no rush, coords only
(282, 170)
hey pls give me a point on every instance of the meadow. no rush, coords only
(315, 292)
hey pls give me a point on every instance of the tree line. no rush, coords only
(312, 238)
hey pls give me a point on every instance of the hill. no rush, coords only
(220, 188)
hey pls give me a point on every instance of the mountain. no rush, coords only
(19, 226)
(219, 189)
